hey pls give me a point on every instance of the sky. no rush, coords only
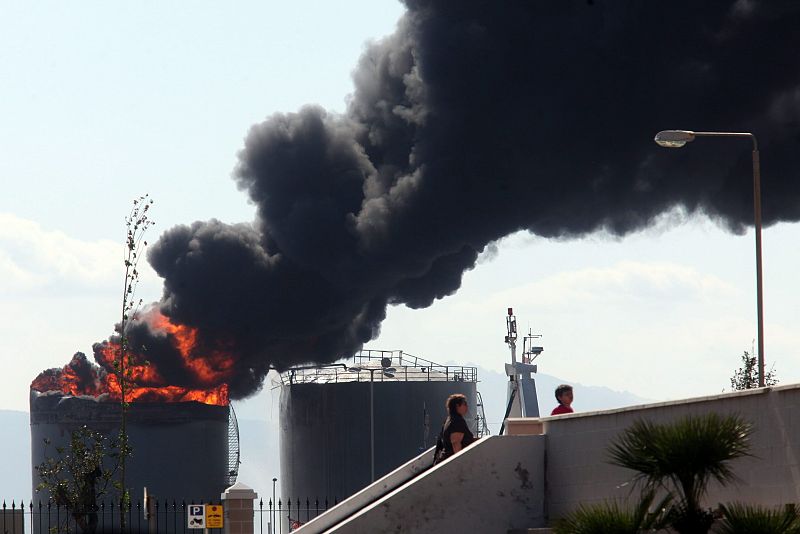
(101, 104)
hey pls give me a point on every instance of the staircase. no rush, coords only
(494, 486)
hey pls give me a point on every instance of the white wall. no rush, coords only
(526, 481)
(578, 471)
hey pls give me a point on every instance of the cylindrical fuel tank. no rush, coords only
(179, 450)
(325, 431)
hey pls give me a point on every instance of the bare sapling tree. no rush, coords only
(136, 223)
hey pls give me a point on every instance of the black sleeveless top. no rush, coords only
(455, 423)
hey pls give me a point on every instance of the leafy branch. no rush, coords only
(746, 377)
(78, 475)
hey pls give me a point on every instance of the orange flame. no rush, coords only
(211, 369)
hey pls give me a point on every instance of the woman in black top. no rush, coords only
(455, 433)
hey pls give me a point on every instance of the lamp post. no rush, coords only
(677, 139)
(388, 372)
(274, 507)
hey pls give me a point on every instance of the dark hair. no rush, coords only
(454, 401)
(560, 390)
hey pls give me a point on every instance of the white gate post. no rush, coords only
(238, 503)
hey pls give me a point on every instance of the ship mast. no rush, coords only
(521, 394)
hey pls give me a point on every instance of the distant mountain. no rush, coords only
(258, 430)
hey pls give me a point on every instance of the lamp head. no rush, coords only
(674, 138)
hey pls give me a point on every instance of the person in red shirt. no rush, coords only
(564, 398)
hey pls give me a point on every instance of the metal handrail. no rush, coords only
(407, 368)
(397, 357)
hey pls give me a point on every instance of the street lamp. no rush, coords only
(677, 139)
(274, 507)
(388, 372)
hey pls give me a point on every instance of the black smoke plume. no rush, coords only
(476, 119)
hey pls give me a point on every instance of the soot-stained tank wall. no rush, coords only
(325, 432)
(179, 450)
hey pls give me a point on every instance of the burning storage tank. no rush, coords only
(184, 442)
(344, 425)
(179, 449)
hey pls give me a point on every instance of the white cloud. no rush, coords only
(625, 281)
(655, 327)
(15, 278)
(34, 259)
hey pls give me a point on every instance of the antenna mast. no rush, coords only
(521, 398)
(511, 337)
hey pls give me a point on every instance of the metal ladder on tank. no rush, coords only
(482, 427)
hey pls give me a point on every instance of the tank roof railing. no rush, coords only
(397, 357)
(406, 368)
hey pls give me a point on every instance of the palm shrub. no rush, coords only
(612, 517)
(682, 457)
(738, 518)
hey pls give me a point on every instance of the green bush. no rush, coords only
(612, 518)
(739, 518)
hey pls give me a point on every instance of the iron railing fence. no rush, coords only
(165, 517)
(287, 515)
(47, 517)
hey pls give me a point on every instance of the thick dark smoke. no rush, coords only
(474, 120)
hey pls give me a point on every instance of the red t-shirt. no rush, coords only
(561, 409)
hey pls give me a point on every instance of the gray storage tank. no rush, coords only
(327, 413)
(180, 449)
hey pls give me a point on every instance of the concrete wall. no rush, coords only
(494, 486)
(578, 472)
(554, 464)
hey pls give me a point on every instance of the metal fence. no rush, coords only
(287, 515)
(164, 517)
